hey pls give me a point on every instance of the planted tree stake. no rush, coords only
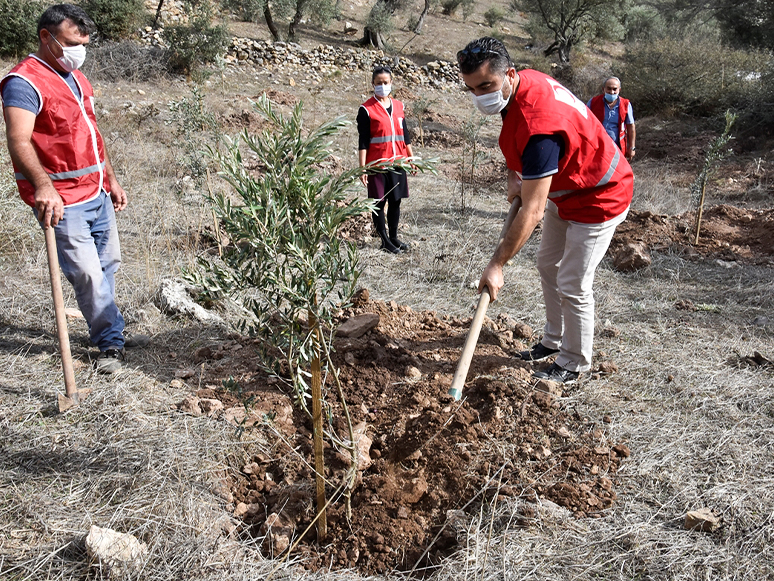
(317, 431)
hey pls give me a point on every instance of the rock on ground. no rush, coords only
(631, 256)
(120, 554)
(173, 299)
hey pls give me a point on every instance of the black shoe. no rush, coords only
(109, 361)
(537, 353)
(388, 246)
(402, 245)
(557, 374)
(131, 340)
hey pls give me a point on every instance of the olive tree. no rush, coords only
(567, 21)
(287, 265)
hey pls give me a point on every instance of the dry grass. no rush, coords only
(125, 461)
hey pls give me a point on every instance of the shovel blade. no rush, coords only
(66, 403)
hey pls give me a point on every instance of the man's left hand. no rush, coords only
(630, 155)
(118, 195)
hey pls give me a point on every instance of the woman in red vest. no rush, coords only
(383, 137)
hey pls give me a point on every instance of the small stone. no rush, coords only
(702, 520)
(622, 450)
(176, 384)
(185, 373)
(349, 358)
(72, 313)
(358, 326)
(760, 321)
(240, 510)
(632, 256)
(522, 331)
(120, 554)
(210, 407)
(412, 372)
(190, 405)
(607, 367)
(564, 432)
(403, 512)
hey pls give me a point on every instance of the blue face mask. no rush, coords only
(610, 98)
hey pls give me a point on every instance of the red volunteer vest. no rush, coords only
(387, 142)
(595, 182)
(598, 106)
(65, 135)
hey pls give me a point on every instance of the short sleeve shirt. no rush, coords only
(18, 92)
(610, 122)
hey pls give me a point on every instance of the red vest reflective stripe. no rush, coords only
(386, 131)
(65, 135)
(598, 106)
(594, 182)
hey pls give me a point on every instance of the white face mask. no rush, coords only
(382, 90)
(491, 103)
(72, 56)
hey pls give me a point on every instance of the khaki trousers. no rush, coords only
(567, 259)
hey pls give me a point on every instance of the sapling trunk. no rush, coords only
(317, 430)
(700, 212)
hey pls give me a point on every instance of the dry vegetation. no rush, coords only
(698, 418)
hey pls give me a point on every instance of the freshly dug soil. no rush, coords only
(432, 461)
(429, 454)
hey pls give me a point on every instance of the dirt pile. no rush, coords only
(429, 455)
(727, 232)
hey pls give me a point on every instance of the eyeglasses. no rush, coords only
(475, 52)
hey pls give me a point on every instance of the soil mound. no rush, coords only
(727, 232)
(433, 461)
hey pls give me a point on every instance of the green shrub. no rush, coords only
(379, 20)
(196, 43)
(449, 7)
(493, 16)
(246, 10)
(115, 19)
(18, 27)
(692, 74)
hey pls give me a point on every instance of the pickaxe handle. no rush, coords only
(458, 381)
(59, 310)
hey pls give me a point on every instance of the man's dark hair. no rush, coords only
(379, 70)
(56, 14)
(484, 50)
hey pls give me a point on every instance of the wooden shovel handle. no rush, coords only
(59, 311)
(458, 381)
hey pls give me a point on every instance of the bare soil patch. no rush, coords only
(727, 233)
(430, 455)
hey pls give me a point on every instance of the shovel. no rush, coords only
(73, 395)
(458, 382)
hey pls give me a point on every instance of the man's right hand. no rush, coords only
(49, 206)
(492, 279)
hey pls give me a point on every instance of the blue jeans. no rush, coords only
(89, 256)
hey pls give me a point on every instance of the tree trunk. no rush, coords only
(270, 22)
(371, 38)
(158, 14)
(300, 5)
(421, 22)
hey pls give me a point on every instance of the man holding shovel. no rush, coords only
(63, 171)
(561, 165)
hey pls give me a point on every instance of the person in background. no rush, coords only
(561, 166)
(383, 137)
(63, 171)
(616, 115)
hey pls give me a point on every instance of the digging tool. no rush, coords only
(73, 395)
(461, 374)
